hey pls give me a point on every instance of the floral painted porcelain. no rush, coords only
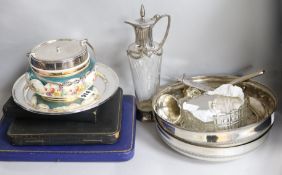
(61, 70)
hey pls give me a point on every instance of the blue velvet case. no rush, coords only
(122, 150)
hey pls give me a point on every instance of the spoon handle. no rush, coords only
(247, 77)
(199, 86)
(206, 88)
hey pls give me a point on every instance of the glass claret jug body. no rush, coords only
(145, 57)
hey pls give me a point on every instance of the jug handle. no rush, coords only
(157, 18)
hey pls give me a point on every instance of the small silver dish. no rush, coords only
(252, 125)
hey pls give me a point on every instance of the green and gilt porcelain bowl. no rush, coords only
(61, 70)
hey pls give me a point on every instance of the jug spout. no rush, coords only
(130, 23)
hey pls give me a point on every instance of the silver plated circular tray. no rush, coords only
(208, 153)
(251, 126)
(105, 85)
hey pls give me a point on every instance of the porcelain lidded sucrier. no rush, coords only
(61, 70)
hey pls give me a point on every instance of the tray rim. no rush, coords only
(257, 142)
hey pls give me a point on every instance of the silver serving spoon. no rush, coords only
(191, 83)
(169, 107)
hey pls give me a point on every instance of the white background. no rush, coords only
(206, 37)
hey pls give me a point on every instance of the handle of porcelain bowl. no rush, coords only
(28, 55)
(85, 41)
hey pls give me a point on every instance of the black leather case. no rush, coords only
(46, 131)
(11, 108)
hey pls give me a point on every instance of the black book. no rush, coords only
(46, 131)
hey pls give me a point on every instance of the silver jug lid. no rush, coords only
(142, 22)
(59, 54)
(143, 28)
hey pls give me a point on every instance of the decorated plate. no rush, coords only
(105, 85)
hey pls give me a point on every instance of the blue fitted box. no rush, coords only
(122, 150)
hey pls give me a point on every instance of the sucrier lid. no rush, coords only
(59, 54)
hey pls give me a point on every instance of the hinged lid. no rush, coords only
(143, 28)
(59, 54)
(142, 22)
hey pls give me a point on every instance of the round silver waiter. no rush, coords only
(252, 125)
